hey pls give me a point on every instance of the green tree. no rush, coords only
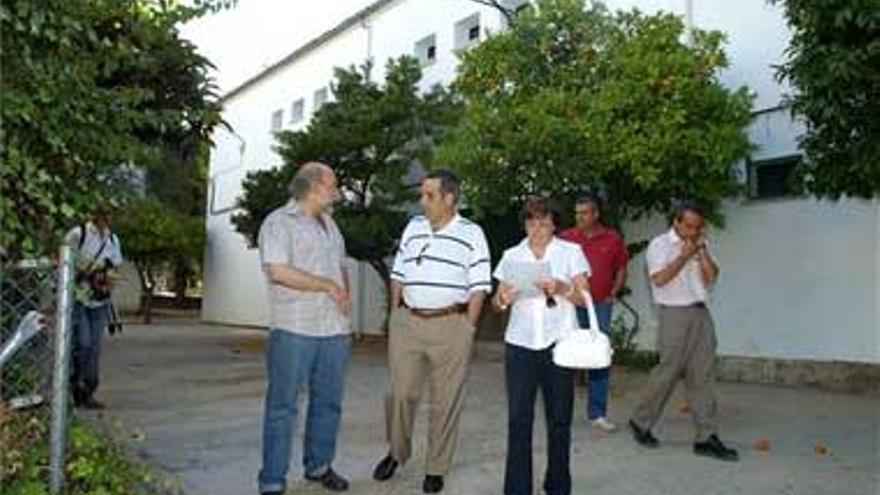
(370, 135)
(834, 64)
(572, 98)
(156, 238)
(90, 89)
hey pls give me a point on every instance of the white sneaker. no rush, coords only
(604, 424)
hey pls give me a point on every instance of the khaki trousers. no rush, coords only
(438, 349)
(686, 343)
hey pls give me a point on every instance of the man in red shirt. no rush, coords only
(607, 254)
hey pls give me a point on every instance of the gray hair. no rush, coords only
(305, 178)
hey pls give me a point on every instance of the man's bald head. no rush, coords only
(306, 177)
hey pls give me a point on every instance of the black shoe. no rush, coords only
(385, 469)
(713, 447)
(643, 436)
(432, 484)
(272, 493)
(330, 480)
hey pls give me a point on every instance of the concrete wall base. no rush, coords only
(830, 375)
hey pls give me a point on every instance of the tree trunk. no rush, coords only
(147, 286)
(181, 279)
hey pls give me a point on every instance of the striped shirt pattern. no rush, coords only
(440, 268)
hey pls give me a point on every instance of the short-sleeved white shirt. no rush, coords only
(444, 267)
(532, 324)
(91, 251)
(687, 287)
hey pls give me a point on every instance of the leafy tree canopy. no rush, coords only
(156, 236)
(90, 89)
(834, 63)
(573, 98)
(370, 135)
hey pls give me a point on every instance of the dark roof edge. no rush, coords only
(308, 47)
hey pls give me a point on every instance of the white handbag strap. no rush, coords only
(591, 311)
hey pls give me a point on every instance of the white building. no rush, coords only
(800, 277)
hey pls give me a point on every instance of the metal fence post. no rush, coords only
(58, 432)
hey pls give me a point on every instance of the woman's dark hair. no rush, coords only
(539, 207)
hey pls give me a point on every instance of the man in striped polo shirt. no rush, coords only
(440, 278)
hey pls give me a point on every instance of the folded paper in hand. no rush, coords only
(523, 275)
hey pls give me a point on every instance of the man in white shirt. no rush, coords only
(439, 280)
(98, 257)
(682, 271)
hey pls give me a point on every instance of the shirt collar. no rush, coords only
(94, 230)
(455, 219)
(524, 245)
(295, 209)
(600, 231)
(673, 235)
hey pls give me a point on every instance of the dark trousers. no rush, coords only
(88, 329)
(525, 372)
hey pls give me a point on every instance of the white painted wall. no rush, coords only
(800, 278)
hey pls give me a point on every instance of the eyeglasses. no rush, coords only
(422, 253)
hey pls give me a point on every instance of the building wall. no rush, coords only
(800, 277)
(798, 280)
(234, 289)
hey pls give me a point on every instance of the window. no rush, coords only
(467, 31)
(297, 111)
(773, 178)
(474, 33)
(426, 50)
(277, 120)
(320, 98)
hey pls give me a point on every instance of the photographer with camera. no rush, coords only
(98, 256)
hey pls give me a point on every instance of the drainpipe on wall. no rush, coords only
(365, 23)
(688, 22)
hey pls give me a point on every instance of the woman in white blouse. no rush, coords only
(538, 317)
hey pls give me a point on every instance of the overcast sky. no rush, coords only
(254, 34)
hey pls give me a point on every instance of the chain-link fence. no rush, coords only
(35, 301)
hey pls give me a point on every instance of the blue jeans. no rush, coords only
(88, 329)
(525, 371)
(597, 380)
(292, 361)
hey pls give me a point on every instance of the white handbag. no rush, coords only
(583, 348)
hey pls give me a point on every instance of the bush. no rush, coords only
(95, 463)
(626, 352)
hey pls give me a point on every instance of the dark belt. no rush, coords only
(438, 312)
(692, 305)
